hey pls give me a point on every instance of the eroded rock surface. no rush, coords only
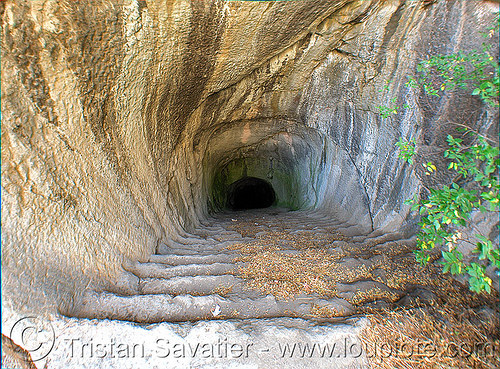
(261, 264)
(124, 124)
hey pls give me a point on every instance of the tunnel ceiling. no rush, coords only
(124, 123)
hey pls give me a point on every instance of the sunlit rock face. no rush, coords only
(126, 123)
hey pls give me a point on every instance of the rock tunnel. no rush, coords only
(250, 193)
(137, 136)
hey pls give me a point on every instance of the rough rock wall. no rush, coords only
(118, 118)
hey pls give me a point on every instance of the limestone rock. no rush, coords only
(124, 122)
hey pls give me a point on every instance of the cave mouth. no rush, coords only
(250, 193)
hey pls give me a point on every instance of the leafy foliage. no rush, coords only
(406, 150)
(387, 111)
(446, 211)
(461, 70)
(476, 68)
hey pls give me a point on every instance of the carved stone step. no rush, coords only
(350, 290)
(194, 277)
(158, 270)
(161, 308)
(193, 259)
(198, 285)
(195, 251)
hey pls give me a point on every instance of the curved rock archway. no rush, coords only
(125, 124)
(250, 193)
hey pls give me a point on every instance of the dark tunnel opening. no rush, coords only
(250, 193)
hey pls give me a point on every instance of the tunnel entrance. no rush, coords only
(250, 193)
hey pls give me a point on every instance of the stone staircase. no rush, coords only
(199, 276)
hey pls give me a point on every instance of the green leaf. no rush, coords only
(445, 209)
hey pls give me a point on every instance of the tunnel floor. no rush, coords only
(267, 263)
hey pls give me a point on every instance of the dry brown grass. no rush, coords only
(373, 294)
(286, 276)
(287, 264)
(458, 330)
(448, 331)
